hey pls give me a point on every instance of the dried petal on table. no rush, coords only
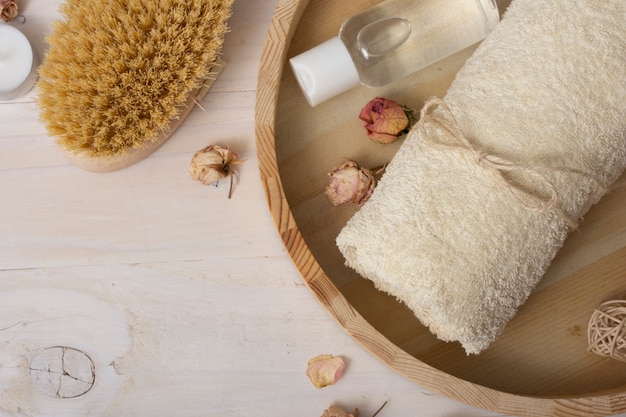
(324, 370)
(334, 411)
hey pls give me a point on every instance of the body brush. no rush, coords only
(120, 76)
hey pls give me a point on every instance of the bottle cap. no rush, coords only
(325, 71)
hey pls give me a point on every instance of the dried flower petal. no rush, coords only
(334, 411)
(385, 120)
(350, 183)
(212, 164)
(8, 10)
(324, 370)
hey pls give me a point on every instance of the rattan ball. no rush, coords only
(606, 332)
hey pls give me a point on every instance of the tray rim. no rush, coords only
(273, 59)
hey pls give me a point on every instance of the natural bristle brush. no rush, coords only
(120, 76)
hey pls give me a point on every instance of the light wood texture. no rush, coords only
(540, 365)
(185, 301)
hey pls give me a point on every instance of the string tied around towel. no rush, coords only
(446, 123)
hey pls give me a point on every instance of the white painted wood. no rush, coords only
(185, 300)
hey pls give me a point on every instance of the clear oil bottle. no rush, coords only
(389, 41)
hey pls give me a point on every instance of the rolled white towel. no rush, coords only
(478, 200)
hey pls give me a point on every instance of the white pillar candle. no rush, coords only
(18, 66)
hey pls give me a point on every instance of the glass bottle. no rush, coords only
(391, 40)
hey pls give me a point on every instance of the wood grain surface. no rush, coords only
(185, 302)
(540, 365)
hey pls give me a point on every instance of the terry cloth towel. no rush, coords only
(479, 198)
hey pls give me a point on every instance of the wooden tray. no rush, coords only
(540, 365)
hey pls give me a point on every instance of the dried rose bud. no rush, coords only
(350, 183)
(8, 10)
(385, 120)
(324, 370)
(334, 411)
(212, 164)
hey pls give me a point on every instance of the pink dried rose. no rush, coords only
(8, 10)
(334, 411)
(324, 370)
(212, 164)
(349, 183)
(385, 120)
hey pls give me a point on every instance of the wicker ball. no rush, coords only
(606, 332)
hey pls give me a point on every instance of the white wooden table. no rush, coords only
(185, 301)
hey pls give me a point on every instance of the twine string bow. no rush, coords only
(445, 123)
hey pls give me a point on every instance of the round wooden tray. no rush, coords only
(540, 365)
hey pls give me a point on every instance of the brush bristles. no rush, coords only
(117, 71)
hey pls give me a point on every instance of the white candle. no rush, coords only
(18, 69)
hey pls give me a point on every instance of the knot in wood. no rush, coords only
(62, 372)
